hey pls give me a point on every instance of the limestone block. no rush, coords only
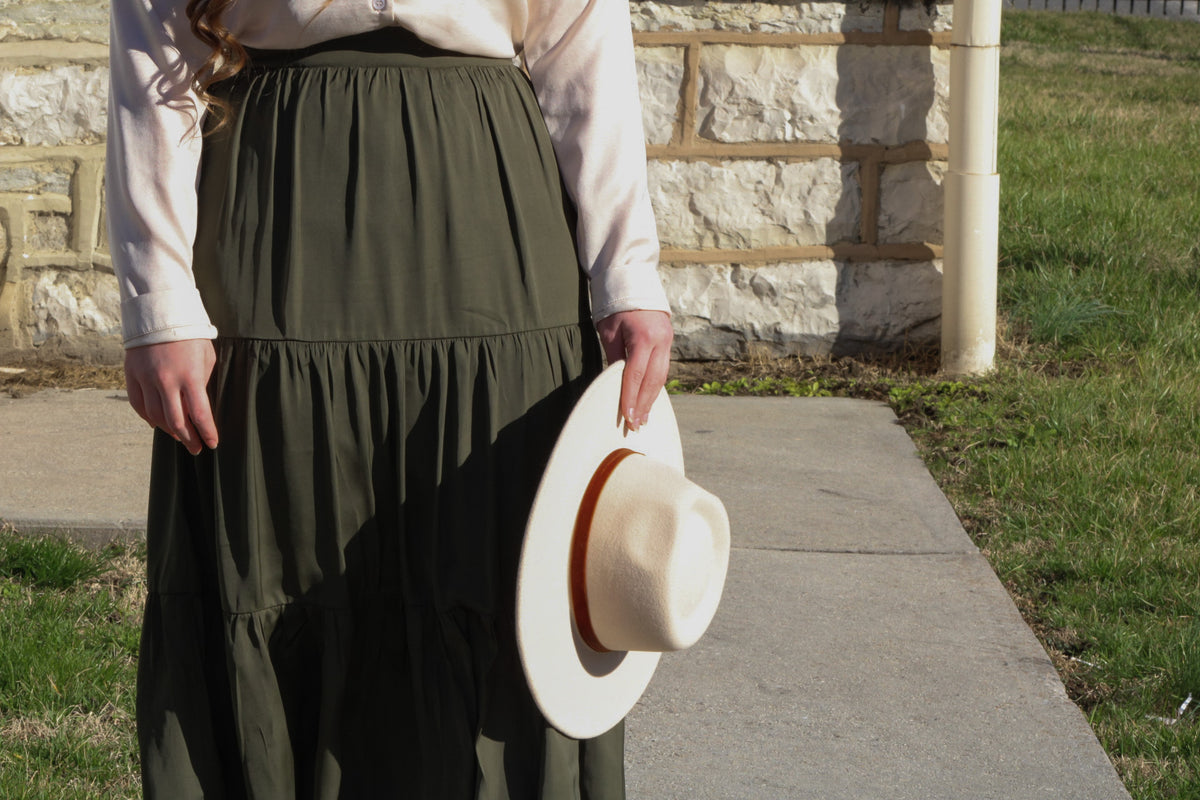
(73, 304)
(47, 233)
(910, 202)
(888, 305)
(823, 93)
(893, 95)
(718, 309)
(918, 15)
(745, 204)
(72, 20)
(660, 79)
(782, 17)
(811, 308)
(758, 94)
(56, 106)
(36, 178)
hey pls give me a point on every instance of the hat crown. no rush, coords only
(656, 557)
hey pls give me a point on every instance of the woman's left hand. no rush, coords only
(643, 339)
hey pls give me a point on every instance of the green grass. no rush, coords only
(1097, 160)
(46, 563)
(69, 634)
(1079, 461)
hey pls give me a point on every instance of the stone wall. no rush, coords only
(796, 155)
(797, 152)
(58, 295)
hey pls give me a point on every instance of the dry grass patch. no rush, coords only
(866, 377)
(125, 579)
(1116, 62)
(1135, 770)
(107, 728)
(25, 376)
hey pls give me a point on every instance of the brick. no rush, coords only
(47, 233)
(923, 16)
(68, 304)
(71, 20)
(660, 80)
(56, 106)
(819, 93)
(746, 204)
(811, 307)
(785, 17)
(910, 202)
(36, 178)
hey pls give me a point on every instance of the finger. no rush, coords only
(189, 438)
(631, 383)
(176, 422)
(153, 408)
(199, 411)
(657, 368)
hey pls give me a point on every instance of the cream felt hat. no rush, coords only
(624, 558)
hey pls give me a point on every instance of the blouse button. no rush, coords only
(379, 5)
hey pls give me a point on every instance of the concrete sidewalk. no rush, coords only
(864, 648)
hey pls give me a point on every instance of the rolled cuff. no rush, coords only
(633, 287)
(165, 316)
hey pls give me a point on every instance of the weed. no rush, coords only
(779, 387)
(47, 562)
(929, 400)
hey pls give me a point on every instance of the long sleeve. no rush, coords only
(579, 54)
(152, 162)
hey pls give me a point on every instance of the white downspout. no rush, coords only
(972, 191)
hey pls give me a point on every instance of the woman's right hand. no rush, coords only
(168, 387)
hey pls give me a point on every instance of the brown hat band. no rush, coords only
(579, 545)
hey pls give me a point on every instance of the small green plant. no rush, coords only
(930, 400)
(1063, 319)
(769, 386)
(715, 387)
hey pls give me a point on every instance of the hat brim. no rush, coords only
(580, 691)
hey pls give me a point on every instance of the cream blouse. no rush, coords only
(579, 55)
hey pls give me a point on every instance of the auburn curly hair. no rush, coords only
(228, 56)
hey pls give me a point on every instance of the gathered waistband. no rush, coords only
(387, 47)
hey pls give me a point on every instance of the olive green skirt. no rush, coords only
(385, 248)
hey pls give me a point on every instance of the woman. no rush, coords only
(364, 280)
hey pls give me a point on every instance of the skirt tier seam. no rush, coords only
(565, 327)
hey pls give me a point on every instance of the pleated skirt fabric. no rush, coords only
(386, 250)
